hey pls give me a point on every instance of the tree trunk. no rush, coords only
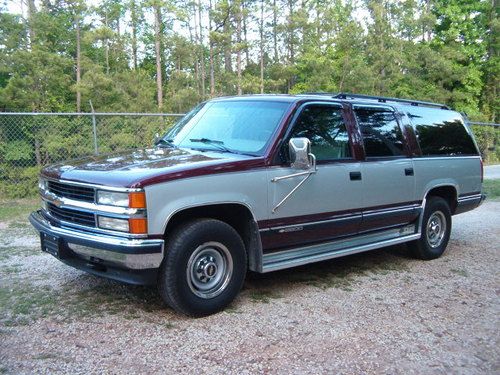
(275, 31)
(159, 80)
(31, 28)
(106, 41)
(245, 36)
(38, 157)
(261, 31)
(133, 16)
(202, 53)
(78, 67)
(195, 41)
(238, 51)
(291, 30)
(228, 67)
(211, 47)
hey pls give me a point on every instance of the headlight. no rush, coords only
(131, 200)
(133, 225)
(112, 198)
(113, 223)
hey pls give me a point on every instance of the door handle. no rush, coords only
(408, 171)
(355, 176)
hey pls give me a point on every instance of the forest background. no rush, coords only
(169, 55)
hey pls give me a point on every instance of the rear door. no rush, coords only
(387, 173)
(328, 205)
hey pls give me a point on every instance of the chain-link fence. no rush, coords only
(28, 141)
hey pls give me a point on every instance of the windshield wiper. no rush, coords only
(212, 142)
(165, 142)
(219, 145)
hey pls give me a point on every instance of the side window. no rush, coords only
(325, 128)
(381, 133)
(441, 132)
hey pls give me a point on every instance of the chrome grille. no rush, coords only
(72, 216)
(81, 193)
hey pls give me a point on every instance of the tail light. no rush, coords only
(482, 170)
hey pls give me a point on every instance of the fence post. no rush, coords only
(94, 128)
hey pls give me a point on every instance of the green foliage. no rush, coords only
(488, 141)
(492, 188)
(440, 50)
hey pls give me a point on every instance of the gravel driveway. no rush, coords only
(378, 312)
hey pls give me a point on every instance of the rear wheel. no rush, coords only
(204, 267)
(436, 229)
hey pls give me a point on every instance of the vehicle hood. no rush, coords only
(144, 167)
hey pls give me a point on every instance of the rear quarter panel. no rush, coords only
(462, 172)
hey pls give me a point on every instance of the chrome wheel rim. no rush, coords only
(209, 269)
(436, 229)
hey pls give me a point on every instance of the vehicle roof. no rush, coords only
(334, 97)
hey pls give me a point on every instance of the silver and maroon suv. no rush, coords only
(262, 183)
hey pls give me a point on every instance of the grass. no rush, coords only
(8, 252)
(344, 273)
(492, 188)
(460, 272)
(22, 303)
(17, 208)
(263, 296)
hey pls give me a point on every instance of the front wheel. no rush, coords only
(204, 267)
(436, 229)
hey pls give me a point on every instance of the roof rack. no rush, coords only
(380, 99)
(332, 94)
(383, 99)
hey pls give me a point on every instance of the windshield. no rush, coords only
(228, 126)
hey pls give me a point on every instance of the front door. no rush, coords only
(328, 205)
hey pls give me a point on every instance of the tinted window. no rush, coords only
(325, 128)
(381, 133)
(441, 132)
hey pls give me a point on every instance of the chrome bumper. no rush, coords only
(100, 252)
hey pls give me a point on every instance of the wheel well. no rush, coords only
(236, 215)
(448, 193)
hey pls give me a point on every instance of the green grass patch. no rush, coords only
(492, 188)
(263, 296)
(8, 252)
(460, 272)
(17, 209)
(23, 303)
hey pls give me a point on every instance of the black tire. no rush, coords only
(434, 238)
(204, 267)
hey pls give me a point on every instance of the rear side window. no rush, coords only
(381, 133)
(325, 128)
(441, 132)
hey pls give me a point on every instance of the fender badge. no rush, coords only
(292, 229)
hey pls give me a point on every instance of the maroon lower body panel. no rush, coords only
(293, 232)
(278, 238)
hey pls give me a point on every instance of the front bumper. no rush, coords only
(134, 261)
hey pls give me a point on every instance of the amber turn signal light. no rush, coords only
(137, 200)
(138, 226)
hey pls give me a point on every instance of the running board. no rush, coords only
(339, 248)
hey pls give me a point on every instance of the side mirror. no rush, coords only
(300, 153)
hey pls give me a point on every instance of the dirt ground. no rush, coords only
(377, 312)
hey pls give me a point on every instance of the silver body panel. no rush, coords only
(329, 190)
(385, 182)
(248, 188)
(461, 172)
